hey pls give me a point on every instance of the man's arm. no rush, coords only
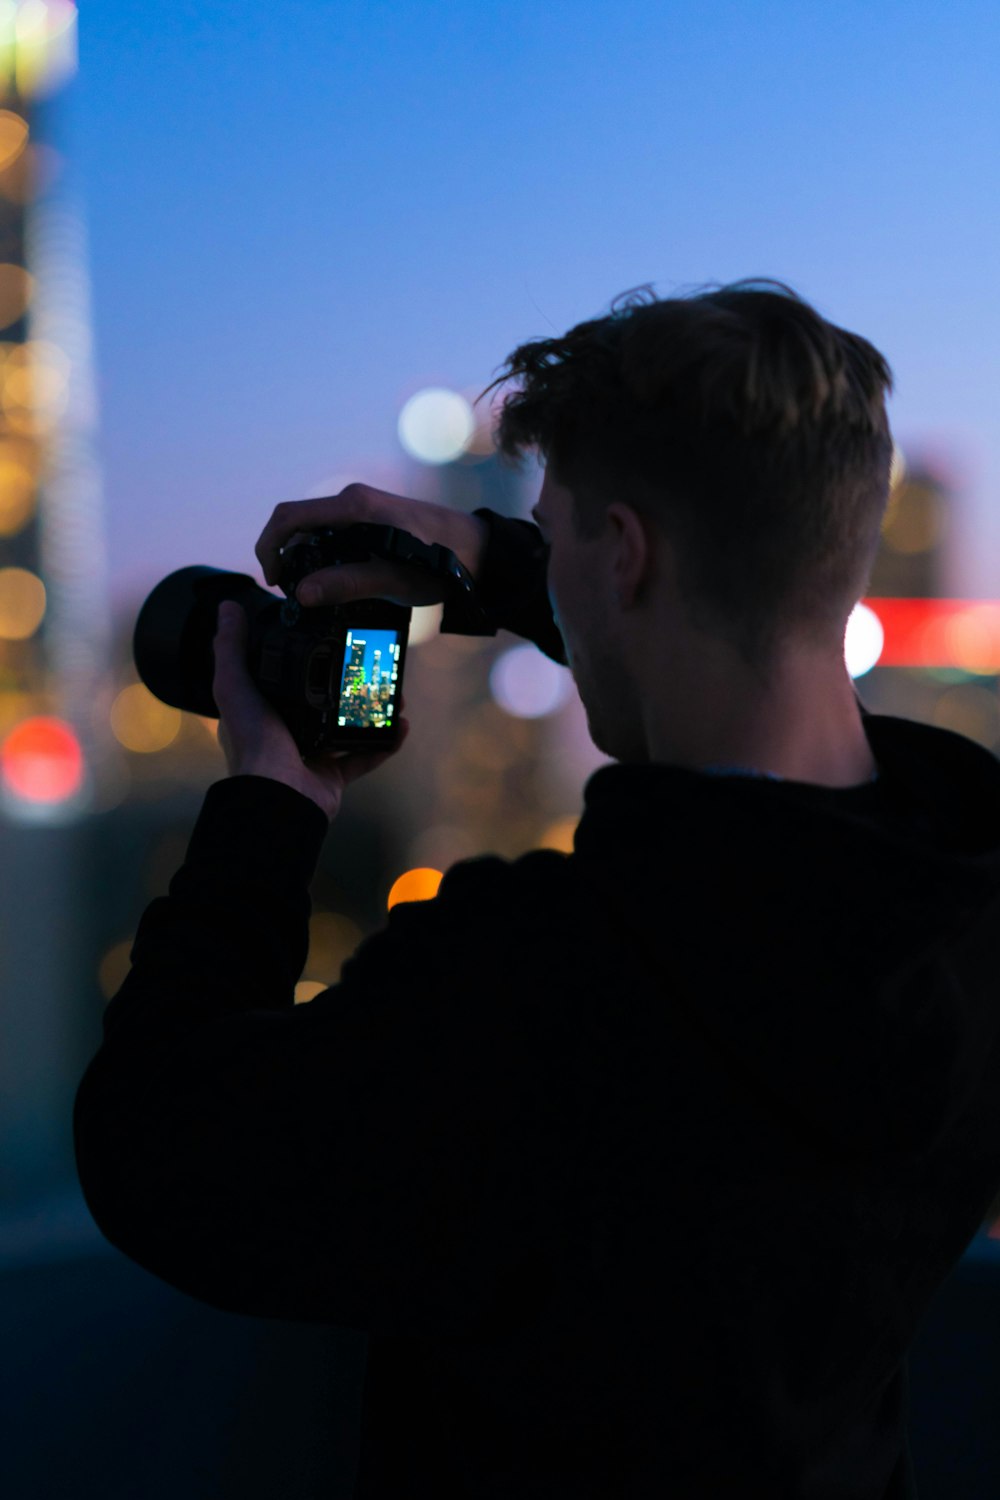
(347, 1160)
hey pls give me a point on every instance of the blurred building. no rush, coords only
(952, 678)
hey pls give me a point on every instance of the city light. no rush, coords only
(308, 989)
(527, 684)
(13, 136)
(17, 494)
(559, 835)
(22, 603)
(415, 885)
(35, 385)
(38, 45)
(958, 633)
(863, 640)
(41, 761)
(113, 968)
(141, 722)
(435, 425)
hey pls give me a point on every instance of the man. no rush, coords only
(640, 1165)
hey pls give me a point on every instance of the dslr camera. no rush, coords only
(333, 674)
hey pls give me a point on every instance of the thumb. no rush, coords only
(231, 618)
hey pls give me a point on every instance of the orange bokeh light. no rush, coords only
(41, 760)
(415, 885)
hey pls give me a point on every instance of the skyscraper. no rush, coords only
(54, 622)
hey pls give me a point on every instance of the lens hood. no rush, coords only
(174, 634)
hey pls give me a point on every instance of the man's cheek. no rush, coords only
(555, 616)
(552, 606)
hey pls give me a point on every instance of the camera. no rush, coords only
(333, 674)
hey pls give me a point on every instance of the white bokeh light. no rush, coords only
(527, 684)
(435, 425)
(863, 640)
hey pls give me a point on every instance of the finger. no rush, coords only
(229, 647)
(353, 503)
(349, 581)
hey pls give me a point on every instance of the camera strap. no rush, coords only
(396, 545)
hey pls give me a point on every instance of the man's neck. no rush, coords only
(806, 728)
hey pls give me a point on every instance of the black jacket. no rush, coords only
(639, 1165)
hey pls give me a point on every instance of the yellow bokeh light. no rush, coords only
(141, 722)
(114, 967)
(308, 989)
(35, 384)
(13, 136)
(973, 639)
(415, 885)
(914, 521)
(559, 835)
(40, 39)
(897, 470)
(22, 603)
(17, 497)
(15, 293)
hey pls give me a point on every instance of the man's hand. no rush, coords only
(256, 742)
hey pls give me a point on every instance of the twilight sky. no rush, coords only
(301, 213)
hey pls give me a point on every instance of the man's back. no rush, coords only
(641, 1175)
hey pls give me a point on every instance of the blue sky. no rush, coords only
(300, 213)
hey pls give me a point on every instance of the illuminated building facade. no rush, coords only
(54, 615)
(54, 620)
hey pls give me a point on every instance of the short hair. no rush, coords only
(750, 430)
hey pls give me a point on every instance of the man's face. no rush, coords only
(580, 588)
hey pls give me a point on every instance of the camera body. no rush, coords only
(333, 674)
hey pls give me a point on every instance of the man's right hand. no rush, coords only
(462, 534)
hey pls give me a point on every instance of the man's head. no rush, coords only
(721, 461)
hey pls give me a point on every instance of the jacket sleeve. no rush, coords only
(349, 1160)
(512, 586)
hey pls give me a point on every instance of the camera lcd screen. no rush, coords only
(368, 680)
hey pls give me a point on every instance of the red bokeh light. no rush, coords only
(41, 760)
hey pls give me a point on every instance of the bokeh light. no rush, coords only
(915, 520)
(17, 496)
(114, 967)
(559, 834)
(35, 386)
(527, 684)
(41, 761)
(863, 640)
(22, 603)
(435, 425)
(141, 722)
(13, 137)
(973, 638)
(415, 885)
(308, 989)
(39, 37)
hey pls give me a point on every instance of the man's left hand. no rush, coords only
(256, 742)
